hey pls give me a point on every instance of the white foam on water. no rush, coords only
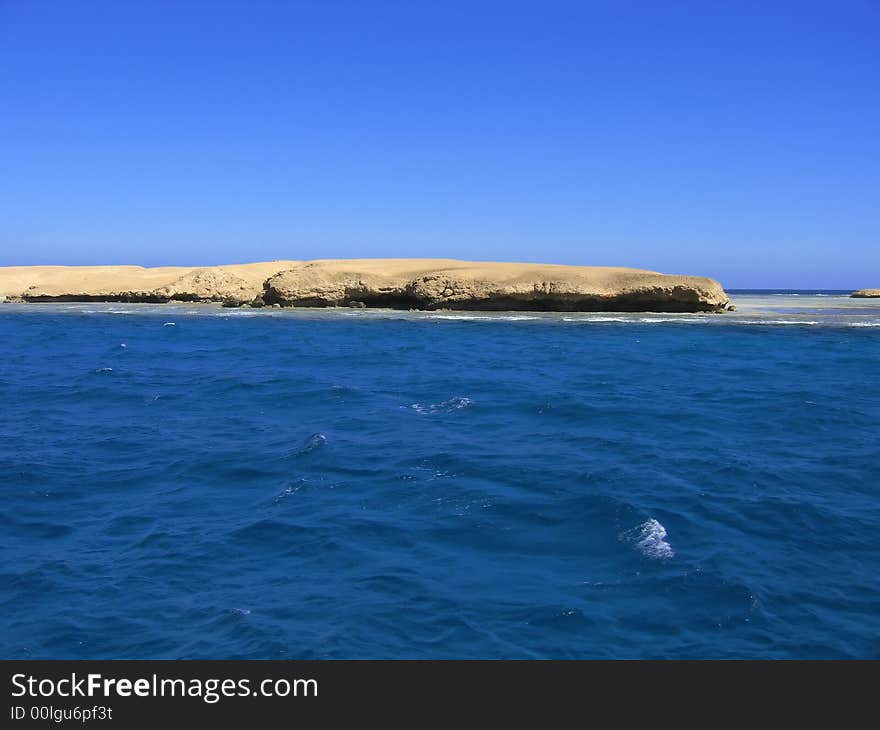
(313, 443)
(289, 491)
(452, 404)
(864, 324)
(785, 321)
(170, 324)
(596, 319)
(649, 538)
(686, 318)
(457, 316)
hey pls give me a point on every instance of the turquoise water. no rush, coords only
(192, 482)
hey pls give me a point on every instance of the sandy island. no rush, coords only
(392, 283)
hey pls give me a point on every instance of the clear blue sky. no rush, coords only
(739, 140)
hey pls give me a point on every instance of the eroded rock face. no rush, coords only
(130, 296)
(489, 286)
(395, 283)
(866, 294)
(240, 282)
(209, 285)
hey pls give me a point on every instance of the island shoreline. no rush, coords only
(401, 284)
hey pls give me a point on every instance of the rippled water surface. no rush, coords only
(185, 481)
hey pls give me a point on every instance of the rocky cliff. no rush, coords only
(462, 285)
(395, 283)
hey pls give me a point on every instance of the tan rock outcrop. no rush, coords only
(447, 284)
(134, 283)
(866, 294)
(209, 285)
(396, 283)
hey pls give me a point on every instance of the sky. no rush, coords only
(738, 140)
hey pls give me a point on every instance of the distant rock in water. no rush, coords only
(866, 294)
(428, 284)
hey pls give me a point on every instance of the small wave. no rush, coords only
(786, 321)
(474, 317)
(597, 319)
(649, 538)
(457, 316)
(121, 311)
(170, 324)
(668, 319)
(104, 370)
(452, 404)
(122, 344)
(288, 491)
(864, 324)
(312, 443)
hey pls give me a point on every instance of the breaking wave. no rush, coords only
(649, 538)
(447, 406)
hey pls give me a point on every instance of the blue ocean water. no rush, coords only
(192, 482)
